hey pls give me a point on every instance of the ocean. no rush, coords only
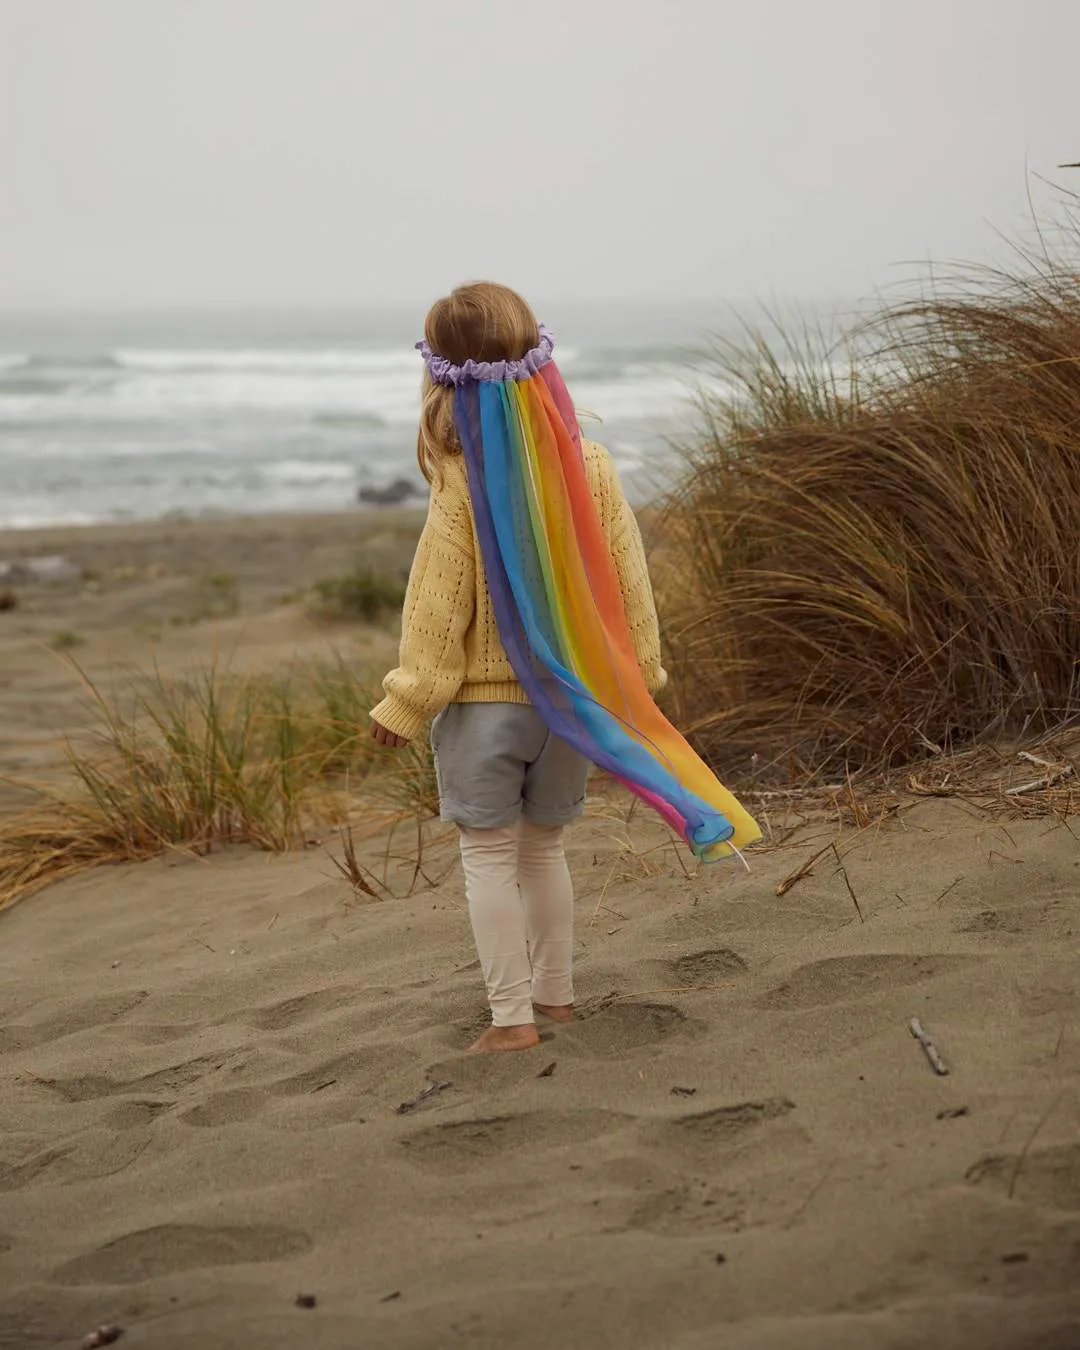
(190, 414)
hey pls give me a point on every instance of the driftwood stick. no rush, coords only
(1041, 784)
(430, 1091)
(936, 1063)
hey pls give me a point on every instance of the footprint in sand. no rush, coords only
(470, 1143)
(838, 979)
(302, 1008)
(612, 1027)
(709, 967)
(155, 1033)
(226, 1108)
(134, 1115)
(90, 1087)
(14, 1176)
(89, 1016)
(994, 921)
(1046, 1176)
(94, 1155)
(364, 1068)
(725, 1124)
(685, 1210)
(1016, 920)
(154, 1252)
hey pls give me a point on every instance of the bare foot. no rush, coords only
(561, 1013)
(507, 1038)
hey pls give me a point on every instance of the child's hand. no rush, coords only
(381, 736)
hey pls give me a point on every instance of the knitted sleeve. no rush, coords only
(439, 604)
(628, 553)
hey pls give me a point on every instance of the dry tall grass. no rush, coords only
(875, 564)
(202, 762)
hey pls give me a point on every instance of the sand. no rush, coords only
(737, 1143)
(162, 594)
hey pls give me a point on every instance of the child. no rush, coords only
(530, 635)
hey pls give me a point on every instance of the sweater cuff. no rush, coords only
(398, 717)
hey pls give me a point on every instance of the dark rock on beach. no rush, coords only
(397, 493)
(51, 569)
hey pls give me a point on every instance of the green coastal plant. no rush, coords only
(66, 640)
(360, 594)
(214, 595)
(197, 763)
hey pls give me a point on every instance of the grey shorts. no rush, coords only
(498, 761)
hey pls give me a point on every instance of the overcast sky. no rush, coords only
(347, 151)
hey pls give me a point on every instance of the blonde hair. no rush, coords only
(479, 322)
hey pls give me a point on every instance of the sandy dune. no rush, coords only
(740, 1144)
(147, 598)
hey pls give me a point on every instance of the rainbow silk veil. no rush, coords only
(556, 595)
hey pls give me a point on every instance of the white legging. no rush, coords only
(521, 903)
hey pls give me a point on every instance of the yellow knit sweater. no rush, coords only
(450, 646)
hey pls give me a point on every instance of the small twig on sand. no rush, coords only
(690, 876)
(1022, 1158)
(430, 1091)
(603, 893)
(847, 883)
(936, 1063)
(790, 1222)
(803, 870)
(950, 887)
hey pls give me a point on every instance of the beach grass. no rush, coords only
(876, 543)
(215, 595)
(361, 593)
(202, 762)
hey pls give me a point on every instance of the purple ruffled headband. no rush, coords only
(445, 372)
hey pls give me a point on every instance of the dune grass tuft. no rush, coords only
(198, 763)
(360, 594)
(877, 554)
